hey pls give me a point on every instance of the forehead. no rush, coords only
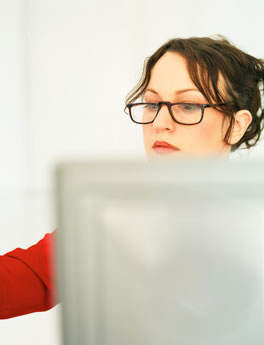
(170, 73)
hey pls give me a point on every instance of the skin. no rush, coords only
(169, 79)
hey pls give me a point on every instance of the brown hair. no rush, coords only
(207, 58)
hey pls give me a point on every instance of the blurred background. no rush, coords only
(66, 67)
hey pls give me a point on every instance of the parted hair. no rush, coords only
(207, 58)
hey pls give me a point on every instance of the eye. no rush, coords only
(151, 106)
(190, 107)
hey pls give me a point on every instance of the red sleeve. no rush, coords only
(27, 279)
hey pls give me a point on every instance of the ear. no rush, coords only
(243, 119)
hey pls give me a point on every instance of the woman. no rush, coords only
(197, 96)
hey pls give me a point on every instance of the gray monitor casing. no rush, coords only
(161, 252)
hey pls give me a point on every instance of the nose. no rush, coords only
(164, 120)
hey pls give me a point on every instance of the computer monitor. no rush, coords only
(161, 252)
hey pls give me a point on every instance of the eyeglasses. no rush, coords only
(182, 113)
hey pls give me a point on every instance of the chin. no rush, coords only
(152, 154)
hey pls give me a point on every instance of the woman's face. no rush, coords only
(170, 81)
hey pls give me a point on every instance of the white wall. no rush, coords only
(66, 67)
(12, 129)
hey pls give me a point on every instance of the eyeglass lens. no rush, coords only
(185, 113)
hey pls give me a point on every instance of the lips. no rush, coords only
(164, 147)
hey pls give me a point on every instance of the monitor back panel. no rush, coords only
(161, 252)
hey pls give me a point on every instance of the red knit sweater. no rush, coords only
(27, 279)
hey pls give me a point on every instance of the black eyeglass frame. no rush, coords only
(169, 105)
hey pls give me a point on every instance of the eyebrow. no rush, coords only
(176, 92)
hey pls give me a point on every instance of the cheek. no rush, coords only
(202, 138)
(147, 131)
(208, 136)
(205, 132)
(149, 137)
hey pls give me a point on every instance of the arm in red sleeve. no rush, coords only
(27, 279)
